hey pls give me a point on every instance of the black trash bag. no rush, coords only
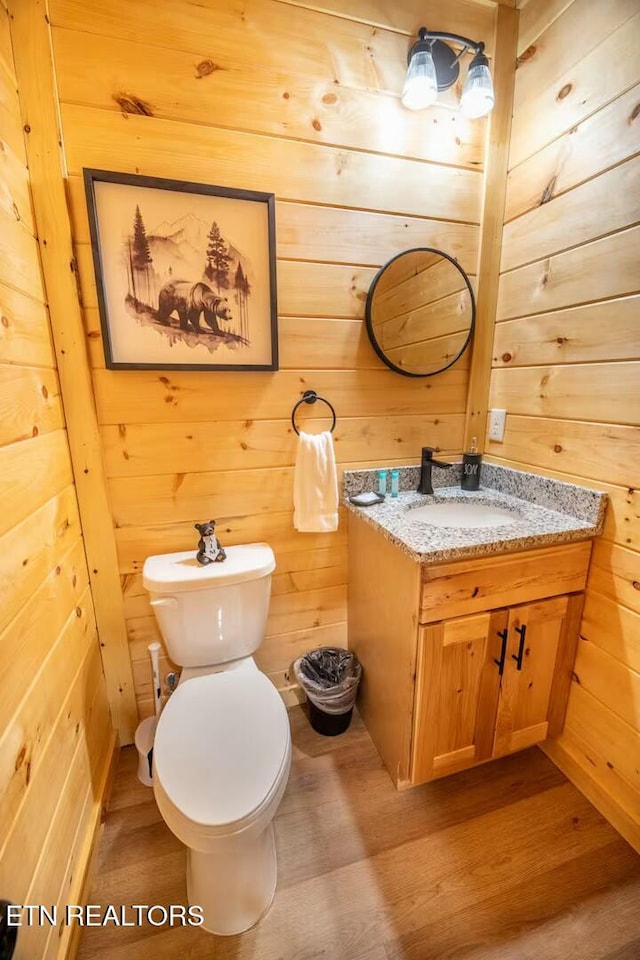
(329, 676)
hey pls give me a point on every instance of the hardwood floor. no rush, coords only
(506, 861)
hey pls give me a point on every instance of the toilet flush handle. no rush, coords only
(164, 602)
(167, 610)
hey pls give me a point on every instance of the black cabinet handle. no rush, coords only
(520, 654)
(503, 634)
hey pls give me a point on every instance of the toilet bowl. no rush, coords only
(222, 749)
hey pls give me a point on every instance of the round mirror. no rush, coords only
(420, 312)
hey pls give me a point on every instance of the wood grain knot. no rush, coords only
(527, 54)
(4, 320)
(330, 98)
(562, 340)
(565, 91)
(506, 357)
(636, 585)
(557, 448)
(44, 391)
(129, 103)
(179, 480)
(315, 123)
(20, 758)
(205, 68)
(635, 113)
(547, 193)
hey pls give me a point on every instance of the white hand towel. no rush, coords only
(315, 484)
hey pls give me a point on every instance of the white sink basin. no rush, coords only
(459, 513)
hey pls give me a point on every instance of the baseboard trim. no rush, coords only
(618, 817)
(79, 893)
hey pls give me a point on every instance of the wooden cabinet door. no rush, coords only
(538, 644)
(457, 691)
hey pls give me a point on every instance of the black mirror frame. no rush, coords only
(369, 323)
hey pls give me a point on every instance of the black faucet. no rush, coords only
(425, 485)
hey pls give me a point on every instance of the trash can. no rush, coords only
(8, 931)
(329, 676)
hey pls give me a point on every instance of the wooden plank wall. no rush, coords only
(56, 738)
(567, 345)
(304, 103)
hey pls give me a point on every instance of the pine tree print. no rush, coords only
(218, 257)
(141, 258)
(243, 290)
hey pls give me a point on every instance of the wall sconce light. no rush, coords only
(434, 66)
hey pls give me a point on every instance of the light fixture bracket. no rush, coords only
(445, 59)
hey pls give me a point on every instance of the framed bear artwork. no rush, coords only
(185, 273)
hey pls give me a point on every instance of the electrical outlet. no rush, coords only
(497, 420)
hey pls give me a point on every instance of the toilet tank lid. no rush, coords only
(175, 572)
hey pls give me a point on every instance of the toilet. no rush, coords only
(222, 748)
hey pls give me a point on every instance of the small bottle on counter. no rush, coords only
(395, 483)
(382, 483)
(471, 463)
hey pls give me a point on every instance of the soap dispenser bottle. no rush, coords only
(471, 463)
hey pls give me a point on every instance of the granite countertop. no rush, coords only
(546, 512)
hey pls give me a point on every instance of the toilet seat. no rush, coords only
(221, 747)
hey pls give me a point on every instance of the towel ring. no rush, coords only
(310, 396)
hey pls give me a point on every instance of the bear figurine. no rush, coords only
(210, 550)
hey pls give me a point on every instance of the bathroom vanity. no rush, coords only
(467, 634)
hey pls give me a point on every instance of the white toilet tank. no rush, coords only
(214, 613)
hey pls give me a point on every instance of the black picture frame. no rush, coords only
(184, 321)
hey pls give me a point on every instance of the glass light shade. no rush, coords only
(477, 94)
(421, 86)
